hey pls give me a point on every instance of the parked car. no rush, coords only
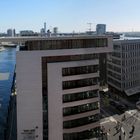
(121, 108)
(113, 103)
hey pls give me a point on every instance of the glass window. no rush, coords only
(80, 70)
(81, 121)
(80, 96)
(80, 83)
(84, 135)
(80, 109)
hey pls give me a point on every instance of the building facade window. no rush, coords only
(80, 83)
(80, 70)
(88, 134)
(80, 96)
(80, 109)
(66, 44)
(80, 121)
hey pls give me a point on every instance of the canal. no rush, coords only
(7, 66)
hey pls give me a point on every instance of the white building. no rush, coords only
(124, 67)
(57, 88)
(100, 29)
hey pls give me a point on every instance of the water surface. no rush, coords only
(7, 66)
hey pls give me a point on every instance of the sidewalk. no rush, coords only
(127, 102)
(123, 101)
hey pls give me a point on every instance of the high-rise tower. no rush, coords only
(45, 27)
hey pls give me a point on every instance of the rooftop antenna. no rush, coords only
(89, 26)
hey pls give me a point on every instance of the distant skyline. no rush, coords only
(70, 15)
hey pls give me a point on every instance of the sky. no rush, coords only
(70, 15)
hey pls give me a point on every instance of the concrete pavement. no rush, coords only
(124, 129)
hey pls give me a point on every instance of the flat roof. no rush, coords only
(124, 41)
(53, 37)
(132, 91)
(70, 37)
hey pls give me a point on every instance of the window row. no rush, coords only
(116, 47)
(115, 61)
(131, 69)
(128, 62)
(131, 84)
(80, 109)
(80, 70)
(80, 83)
(114, 68)
(116, 54)
(114, 82)
(66, 44)
(131, 47)
(116, 76)
(66, 58)
(135, 54)
(88, 134)
(80, 96)
(81, 121)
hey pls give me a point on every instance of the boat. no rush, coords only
(9, 44)
(2, 49)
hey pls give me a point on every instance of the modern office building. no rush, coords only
(100, 29)
(55, 31)
(28, 33)
(57, 80)
(45, 28)
(11, 32)
(124, 68)
(42, 32)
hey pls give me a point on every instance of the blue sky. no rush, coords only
(70, 15)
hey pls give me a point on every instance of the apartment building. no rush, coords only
(57, 88)
(124, 67)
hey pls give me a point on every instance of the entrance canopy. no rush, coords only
(132, 91)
